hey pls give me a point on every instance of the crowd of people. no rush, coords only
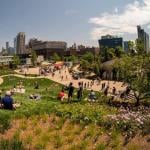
(92, 97)
(52, 70)
(79, 96)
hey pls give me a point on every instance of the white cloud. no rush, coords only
(71, 12)
(133, 14)
(116, 10)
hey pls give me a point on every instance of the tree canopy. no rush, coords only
(135, 71)
(111, 53)
(56, 57)
(90, 62)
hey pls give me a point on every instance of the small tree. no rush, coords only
(73, 58)
(119, 51)
(131, 46)
(96, 68)
(111, 53)
(140, 46)
(88, 57)
(135, 71)
(56, 57)
(33, 58)
(16, 60)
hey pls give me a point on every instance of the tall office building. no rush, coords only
(144, 37)
(7, 46)
(48, 48)
(110, 41)
(15, 45)
(20, 47)
(126, 46)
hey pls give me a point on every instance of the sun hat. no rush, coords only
(8, 93)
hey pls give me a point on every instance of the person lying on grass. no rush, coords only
(8, 102)
(35, 96)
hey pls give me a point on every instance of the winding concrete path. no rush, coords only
(67, 78)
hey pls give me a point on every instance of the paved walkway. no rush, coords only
(67, 78)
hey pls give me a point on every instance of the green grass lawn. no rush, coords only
(48, 122)
(6, 71)
(48, 103)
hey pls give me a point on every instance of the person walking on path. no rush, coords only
(70, 92)
(82, 83)
(106, 91)
(88, 85)
(85, 85)
(103, 86)
(91, 84)
(62, 78)
(80, 92)
(114, 91)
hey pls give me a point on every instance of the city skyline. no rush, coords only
(71, 21)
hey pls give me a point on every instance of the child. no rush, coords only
(61, 95)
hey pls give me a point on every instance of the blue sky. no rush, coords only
(80, 21)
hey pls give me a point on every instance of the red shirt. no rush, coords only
(61, 94)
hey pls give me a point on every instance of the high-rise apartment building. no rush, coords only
(144, 37)
(20, 47)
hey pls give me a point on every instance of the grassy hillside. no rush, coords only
(50, 124)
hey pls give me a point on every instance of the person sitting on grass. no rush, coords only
(92, 96)
(7, 101)
(61, 95)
